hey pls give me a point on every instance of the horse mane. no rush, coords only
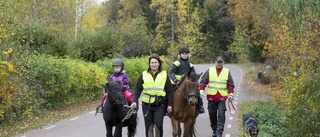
(193, 76)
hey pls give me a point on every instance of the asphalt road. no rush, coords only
(89, 125)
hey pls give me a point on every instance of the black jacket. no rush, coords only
(182, 69)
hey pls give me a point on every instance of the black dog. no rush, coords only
(250, 126)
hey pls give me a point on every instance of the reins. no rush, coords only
(130, 112)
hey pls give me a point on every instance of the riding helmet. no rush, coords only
(118, 62)
(184, 49)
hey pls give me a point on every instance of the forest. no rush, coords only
(55, 53)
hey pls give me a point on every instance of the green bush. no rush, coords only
(60, 81)
(303, 107)
(270, 119)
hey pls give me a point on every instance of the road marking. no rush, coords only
(230, 118)
(92, 112)
(235, 98)
(234, 102)
(73, 118)
(228, 135)
(50, 127)
(229, 126)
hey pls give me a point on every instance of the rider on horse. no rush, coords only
(180, 68)
(118, 75)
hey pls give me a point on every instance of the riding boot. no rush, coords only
(200, 105)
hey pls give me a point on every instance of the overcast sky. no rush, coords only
(99, 1)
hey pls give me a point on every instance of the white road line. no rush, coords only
(73, 118)
(229, 126)
(227, 135)
(230, 118)
(50, 127)
(235, 98)
(235, 102)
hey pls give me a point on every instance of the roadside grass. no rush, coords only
(258, 102)
(46, 118)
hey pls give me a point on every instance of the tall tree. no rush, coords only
(187, 30)
(133, 27)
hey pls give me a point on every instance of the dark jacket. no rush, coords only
(182, 69)
(138, 89)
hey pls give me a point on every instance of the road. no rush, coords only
(89, 125)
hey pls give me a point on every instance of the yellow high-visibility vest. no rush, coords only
(218, 83)
(153, 88)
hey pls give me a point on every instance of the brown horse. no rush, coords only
(184, 109)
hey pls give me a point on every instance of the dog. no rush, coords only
(250, 125)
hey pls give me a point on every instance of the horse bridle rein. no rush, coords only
(193, 93)
(116, 101)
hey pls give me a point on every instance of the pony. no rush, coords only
(184, 109)
(115, 112)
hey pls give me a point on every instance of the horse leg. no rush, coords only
(187, 132)
(179, 130)
(109, 130)
(175, 127)
(129, 131)
(118, 131)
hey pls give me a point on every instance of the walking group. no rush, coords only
(155, 88)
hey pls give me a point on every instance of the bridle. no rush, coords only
(115, 99)
(184, 92)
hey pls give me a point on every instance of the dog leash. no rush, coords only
(236, 111)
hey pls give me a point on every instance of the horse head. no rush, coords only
(115, 96)
(190, 88)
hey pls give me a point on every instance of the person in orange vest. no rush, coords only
(220, 87)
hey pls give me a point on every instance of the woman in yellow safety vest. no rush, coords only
(155, 89)
(220, 86)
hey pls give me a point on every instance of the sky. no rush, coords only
(100, 1)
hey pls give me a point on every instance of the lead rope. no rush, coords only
(236, 111)
(147, 112)
(130, 112)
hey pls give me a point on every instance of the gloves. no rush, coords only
(175, 81)
(133, 105)
(201, 93)
(230, 97)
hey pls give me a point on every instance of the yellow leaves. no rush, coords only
(7, 52)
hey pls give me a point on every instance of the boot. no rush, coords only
(200, 105)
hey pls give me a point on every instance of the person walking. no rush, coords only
(118, 75)
(180, 68)
(157, 96)
(220, 87)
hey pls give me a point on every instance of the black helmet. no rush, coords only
(118, 62)
(184, 49)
